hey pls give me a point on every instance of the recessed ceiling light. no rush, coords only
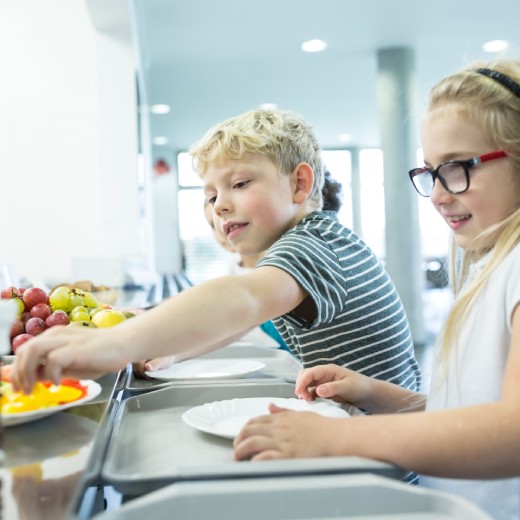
(314, 46)
(344, 138)
(160, 109)
(495, 46)
(269, 106)
(160, 140)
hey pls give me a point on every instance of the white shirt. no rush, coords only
(475, 376)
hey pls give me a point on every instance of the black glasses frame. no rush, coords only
(465, 165)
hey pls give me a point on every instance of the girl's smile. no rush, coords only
(493, 193)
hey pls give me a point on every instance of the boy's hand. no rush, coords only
(286, 434)
(77, 352)
(150, 365)
(333, 382)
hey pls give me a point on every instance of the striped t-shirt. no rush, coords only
(360, 322)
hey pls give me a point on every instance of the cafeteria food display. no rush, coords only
(65, 304)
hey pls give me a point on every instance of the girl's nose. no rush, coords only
(439, 194)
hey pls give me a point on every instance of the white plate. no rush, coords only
(10, 419)
(258, 338)
(207, 369)
(227, 418)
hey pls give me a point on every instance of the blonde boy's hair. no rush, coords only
(282, 136)
(496, 111)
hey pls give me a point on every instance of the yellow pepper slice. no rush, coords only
(42, 396)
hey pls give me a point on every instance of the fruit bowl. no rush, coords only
(108, 296)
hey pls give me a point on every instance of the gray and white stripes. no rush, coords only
(360, 322)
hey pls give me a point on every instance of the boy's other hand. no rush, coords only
(150, 365)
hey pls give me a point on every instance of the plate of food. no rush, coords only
(227, 418)
(207, 369)
(45, 399)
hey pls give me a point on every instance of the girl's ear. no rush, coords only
(302, 179)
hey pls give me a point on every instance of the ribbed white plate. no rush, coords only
(227, 418)
(207, 369)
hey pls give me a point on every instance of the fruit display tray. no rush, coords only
(363, 496)
(279, 365)
(150, 446)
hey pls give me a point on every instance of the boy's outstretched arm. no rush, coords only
(198, 320)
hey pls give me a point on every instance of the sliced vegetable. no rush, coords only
(44, 395)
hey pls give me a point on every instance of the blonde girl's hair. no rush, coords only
(495, 109)
(282, 136)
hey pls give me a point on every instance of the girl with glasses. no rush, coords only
(464, 437)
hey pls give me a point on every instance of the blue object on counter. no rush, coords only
(270, 329)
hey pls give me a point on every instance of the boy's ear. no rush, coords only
(303, 181)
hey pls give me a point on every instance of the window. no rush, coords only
(205, 259)
(372, 199)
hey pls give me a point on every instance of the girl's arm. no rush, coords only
(348, 387)
(474, 442)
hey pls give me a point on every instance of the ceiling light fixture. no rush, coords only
(160, 140)
(495, 46)
(314, 46)
(160, 109)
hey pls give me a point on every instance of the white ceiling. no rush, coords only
(212, 59)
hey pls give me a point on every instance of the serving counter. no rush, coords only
(47, 463)
(129, 454)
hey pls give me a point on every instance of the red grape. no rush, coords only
(35, 326)
(24, 317)
(33, 296)
(9, 292)
(19, 340)
(57, 318)
(17, 328)
(40, 310)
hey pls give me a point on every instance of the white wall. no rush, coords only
(68, 171)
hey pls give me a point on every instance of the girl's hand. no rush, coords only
(336, 383)
(286, 434)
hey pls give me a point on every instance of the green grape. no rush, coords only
(90, 300)
(75, 299)
(59, 298)
(20, 307)
(79, 308)
(80, 316)
(93, 312)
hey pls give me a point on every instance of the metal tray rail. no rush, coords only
(151, 446)
(280, 365)
(92, 474)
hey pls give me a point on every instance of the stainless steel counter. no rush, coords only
(47, 462)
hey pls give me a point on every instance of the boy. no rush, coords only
(326, 292)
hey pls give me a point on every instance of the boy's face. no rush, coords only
(252, 204)
(220, 238)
